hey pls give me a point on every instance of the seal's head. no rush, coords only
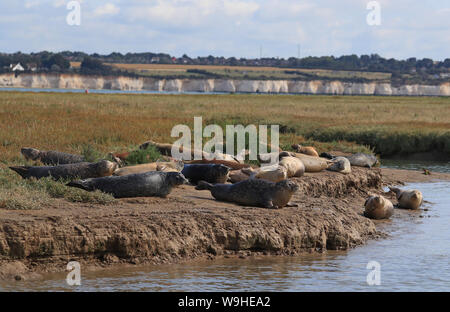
(106, 168)
(30, 153)
(222, 170)
(176, 178)
(288, 185)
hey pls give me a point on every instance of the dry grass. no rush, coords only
(70, 122)
(239, 71)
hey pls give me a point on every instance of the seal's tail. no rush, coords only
(79, 184)
(202, 185)
(22, 170)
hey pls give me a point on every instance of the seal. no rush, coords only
(312, 164)
(363, 160)
(293, 165)
(233, 165)
(155, 166)
(209, 173)
(51, 158)
(253, 192)
(307, 150)
(239, 175)
(409, 199)
(377, 207)
(82, 170)
(340, 164)
(274, 173)
(148, 184)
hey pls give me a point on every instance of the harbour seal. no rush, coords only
(238, 175)
(293, 165)
(82, 170)
(155, 166)
(233, 165)
(312, 164)
(409, 199)
(51, 158)
(362, 160)
(209, 173)
(148, 184)
(340, 164)
(274, 173)
(307, 150)
(377, 207)
(253, 192)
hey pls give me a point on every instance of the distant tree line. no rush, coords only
(97, 64)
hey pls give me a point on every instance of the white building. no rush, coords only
(17, 67)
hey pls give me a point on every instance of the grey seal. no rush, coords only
(51, 158)
(377, 207)
(82, 170)
(362, 160)
(253, 192)
(211, 173)
(148, 184)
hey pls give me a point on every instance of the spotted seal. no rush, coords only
(51, 158)
(312, 163)
(82, 170)
(409, 199)
(206, 172)
(340, 164)
(293, 165)
(148, 184)
(377, 207)
(253, 192)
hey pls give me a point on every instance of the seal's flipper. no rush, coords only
(291, 205)
(202, 185)
(79, 184)
(22, 170)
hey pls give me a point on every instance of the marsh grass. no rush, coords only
(95, 124)
(29, 194)
(142, 156)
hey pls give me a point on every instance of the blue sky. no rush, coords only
(229, 27)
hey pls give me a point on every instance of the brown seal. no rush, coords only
(307, 150)
(293, 165)
(51, 158)
(377, 207)
(312, 163)
(69, 171)
(253, 192)
(409, 199)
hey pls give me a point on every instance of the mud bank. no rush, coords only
(66, 81)
(188, 225)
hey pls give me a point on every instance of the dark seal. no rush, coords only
(51, 158)
(253, 192)
(68, 172)
(148, 184)
(211, 173)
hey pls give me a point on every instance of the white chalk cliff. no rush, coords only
(66, 81)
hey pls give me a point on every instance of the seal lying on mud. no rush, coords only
(377, 207)
(363, 160)
(156, 166)
(208, 173)
(293, 165)
(340, 164)
(312, 164)
(307, 150)
(51, 158)
(274, 173)
(82, 170)
(410, 199)
(152, 183)
(252, 192)
(233, 165)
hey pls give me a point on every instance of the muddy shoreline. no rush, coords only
(191, 225)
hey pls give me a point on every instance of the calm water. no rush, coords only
(437, 166)
(414, 258)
